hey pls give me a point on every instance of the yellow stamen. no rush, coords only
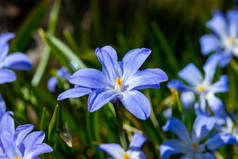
(17, 157)
(126, 156)
(118, 81)
(195, 145)
(232, 40)
(200, 88)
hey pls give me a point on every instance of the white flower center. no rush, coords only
(118, 84)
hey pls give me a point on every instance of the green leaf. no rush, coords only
(53, 121)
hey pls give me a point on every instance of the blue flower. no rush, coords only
(17, 61)
(133, 152)
(194, 145)
(224, 41)
(202, 88)
(20, 143)
(53, 81)
(117, 80)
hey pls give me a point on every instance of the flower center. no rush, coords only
(195, 145)
(126, 156)
(17, 157)
(232, 40)
(200, 88)
(118, 84)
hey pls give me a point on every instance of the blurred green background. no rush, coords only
(70, 31)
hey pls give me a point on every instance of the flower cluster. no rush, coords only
(19, 143)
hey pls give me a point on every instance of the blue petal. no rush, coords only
(171, 147)
(207, 155)
(219, 140)
(133, 60)
(38, 149)
(202, 126)
(110, 66)
(18, 61)
(215, 104)
(3, 52)
(52, 83)
(135, 153)
(114, 150)
(74, 93)
(136, 103)
(168, 113)
(187, 99)
(137, 141)
(32, 139)
(201, 104)
(2, 106)
(7, 123)
(218, 24)
(5, 37)
(210, 68)
(9, 145)
(178, 128)
(221, 85)
(223, 57)
(7, 76)
(191, 74)
(146, 78)
(209, 43)
(178, 85)
(233, 22)
(101, 99)
(89, 77)
(21, 132)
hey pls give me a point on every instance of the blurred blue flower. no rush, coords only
(133, 152)
(53, 81)
(17, 61)
(20, 143)
(230, 127)
(224, 41)
(202, 88)
(118, 80)
(190, 146)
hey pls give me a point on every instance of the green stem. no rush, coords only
(120, 125)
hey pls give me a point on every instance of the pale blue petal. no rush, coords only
(3, 52)
(135, 153)
(18, 61)
(9, 145)
(187, 99)
(221, 85)
(178, 85)
(133, 60)
(209, 43)
(223, 57)
(74, 93)
(218, 24)
(206, 155)
(32, 139)
(110, 66)
(7, 76)
(137, 140)
(146, 78)
(210, 68)
(101, 99)
(202, 127)
(21, 132)
(168, 113)
(52, 83)
(2, 106)
(63, 72)
(219, 140)
(136, 103)
(178, 128)
(7, 123)
(215, 104)
(114, 150)
(233, 22)
(5, 37)
(191, 74)
(37, 149)
(171, 147)
(89, 77)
